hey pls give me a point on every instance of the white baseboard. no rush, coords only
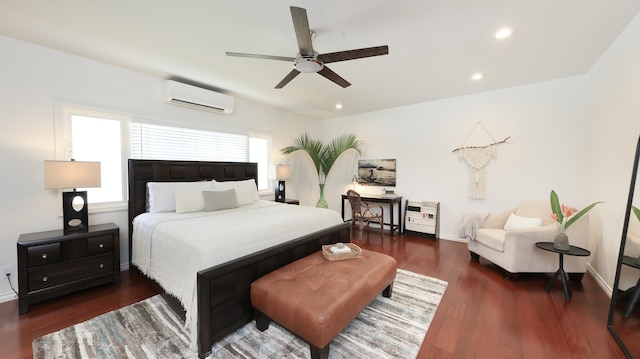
(7, 297)
(603, 285)
(452, 238)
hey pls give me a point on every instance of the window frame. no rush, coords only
(265, 172)
(63, 145)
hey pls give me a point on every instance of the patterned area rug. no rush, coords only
(388, 328)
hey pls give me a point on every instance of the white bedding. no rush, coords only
(171, 248)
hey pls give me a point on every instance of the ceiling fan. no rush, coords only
(308, 60)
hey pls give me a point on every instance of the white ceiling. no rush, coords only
(434, 45)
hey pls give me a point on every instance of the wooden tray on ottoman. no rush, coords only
(356, 252)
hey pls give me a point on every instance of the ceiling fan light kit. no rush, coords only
(308, 64)
(308, 60)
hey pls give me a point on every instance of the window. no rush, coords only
(175, 143)
(158, 142)
(99, 139)
(259, 150)
(89, 135)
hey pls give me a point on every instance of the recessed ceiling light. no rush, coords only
(338, 106)
(477, 76)
(504, 33)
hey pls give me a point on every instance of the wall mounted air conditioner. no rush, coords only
(185, 95)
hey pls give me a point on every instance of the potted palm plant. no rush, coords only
(323, 155)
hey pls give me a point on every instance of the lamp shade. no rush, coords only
(283, 172)
(71, 174)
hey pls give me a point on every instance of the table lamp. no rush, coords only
(283, 172)
(73, 174)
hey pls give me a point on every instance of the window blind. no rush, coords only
(175, 143)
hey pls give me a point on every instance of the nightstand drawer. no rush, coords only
(43, 254)
(50, 276)
(100, 244)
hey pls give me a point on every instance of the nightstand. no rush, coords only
(51, 264)
(292, 201)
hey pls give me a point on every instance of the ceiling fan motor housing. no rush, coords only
(308, 64)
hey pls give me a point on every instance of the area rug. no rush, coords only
(388, 328)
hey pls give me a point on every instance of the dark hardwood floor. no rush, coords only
(482, 314)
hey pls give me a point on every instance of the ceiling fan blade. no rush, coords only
(353, 54)
(326, 72)
(303, 33)
(256, 56)
(287, 78)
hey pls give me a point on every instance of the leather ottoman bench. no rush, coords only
(316, 299)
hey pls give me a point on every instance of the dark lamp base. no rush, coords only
(76, 218)
(280, 197)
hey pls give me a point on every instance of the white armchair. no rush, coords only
(514, 250)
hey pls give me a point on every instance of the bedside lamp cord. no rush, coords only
(10, 284)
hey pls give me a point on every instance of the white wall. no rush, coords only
(546, 149)
(33, 78)
(612, 134)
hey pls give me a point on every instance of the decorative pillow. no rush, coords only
(161, 197)
(246, 191)
(217, 200)
(189, 201)
(517, 222)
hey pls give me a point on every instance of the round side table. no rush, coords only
(573, 251)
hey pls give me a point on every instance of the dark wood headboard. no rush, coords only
(143, 171)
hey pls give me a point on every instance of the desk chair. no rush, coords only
(362, 212)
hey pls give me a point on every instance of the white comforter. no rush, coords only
(171, 248)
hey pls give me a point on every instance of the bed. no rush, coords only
(221, 290)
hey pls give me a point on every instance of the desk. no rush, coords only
(391, 200)
(573, 251)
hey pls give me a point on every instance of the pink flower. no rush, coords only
(567, 211)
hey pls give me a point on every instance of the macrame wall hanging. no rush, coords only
(477, 158)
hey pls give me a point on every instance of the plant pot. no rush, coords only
(561, 242)
(322, 203)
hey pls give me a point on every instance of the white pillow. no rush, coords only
(246, 191)
(161, 197)
(189, 201)
(517, 222)
(217, 200)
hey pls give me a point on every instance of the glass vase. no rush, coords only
(561, 242)
(322, 203)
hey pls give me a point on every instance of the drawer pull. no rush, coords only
(44, 256)
(44, 279)
(100, 245)
(101, 265)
